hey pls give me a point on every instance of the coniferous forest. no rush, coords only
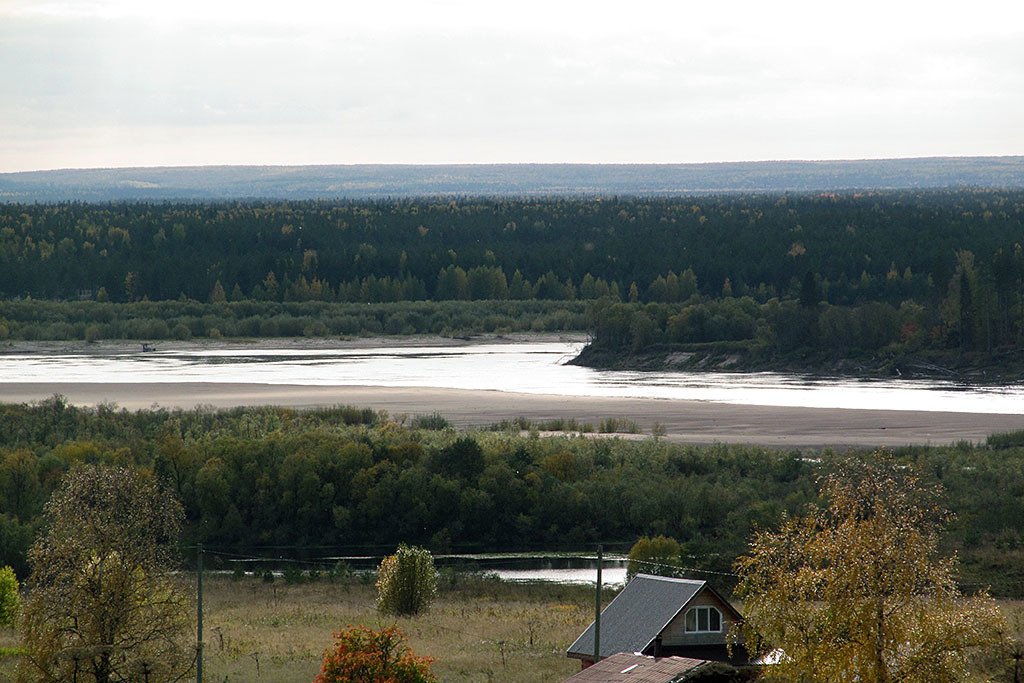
(835, 273)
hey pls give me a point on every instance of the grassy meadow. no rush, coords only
(476, 630)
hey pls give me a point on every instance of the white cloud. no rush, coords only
(328, 82)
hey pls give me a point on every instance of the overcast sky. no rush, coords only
(102, 83)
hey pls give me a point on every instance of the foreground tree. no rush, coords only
(363, 655)
(102, 604)
(658, 555)
(856, 590)
(10, 602)
(406, 581)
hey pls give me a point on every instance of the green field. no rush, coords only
(477, 630)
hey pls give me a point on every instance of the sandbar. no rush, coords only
(684, 421)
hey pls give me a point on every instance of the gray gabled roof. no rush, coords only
(637, 615)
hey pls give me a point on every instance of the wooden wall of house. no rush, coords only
(675, 633)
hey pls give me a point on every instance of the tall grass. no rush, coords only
(477, 630)
(618, 425)
(1014, 439)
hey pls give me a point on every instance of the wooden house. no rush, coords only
(661, 616)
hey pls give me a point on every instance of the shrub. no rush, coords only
(340, 570)
(362, 654)
(181, 332)
(1013, 439)
(618, 425)
(293, 575)
(406, 581)
(434, 421)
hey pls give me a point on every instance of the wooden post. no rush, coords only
(597, 611)
(199, 614)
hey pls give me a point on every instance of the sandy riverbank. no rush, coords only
(684, 421)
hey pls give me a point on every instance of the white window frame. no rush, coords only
(696, 612)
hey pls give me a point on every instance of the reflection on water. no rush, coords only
(522, 567)
(610, 576)
(559, 569)
(536, 368)
(517, 567)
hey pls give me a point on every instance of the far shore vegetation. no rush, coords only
(885, 282)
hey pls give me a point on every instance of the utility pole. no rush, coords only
(199, 614)
(597, 610)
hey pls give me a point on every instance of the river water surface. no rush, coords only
(522, 567)
(527, 367)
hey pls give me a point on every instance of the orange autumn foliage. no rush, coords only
(362, 655)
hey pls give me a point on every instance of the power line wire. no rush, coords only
(679, 568)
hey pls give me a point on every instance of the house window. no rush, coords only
(703, 620)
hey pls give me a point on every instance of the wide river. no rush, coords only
(535, 367)
(524, 367)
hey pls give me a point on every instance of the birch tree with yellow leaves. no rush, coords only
(103, 602)
(856, 590)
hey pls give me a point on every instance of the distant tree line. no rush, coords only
(927, 268)
(980, 309)
(286, 483)
(886, 246)
(92, 320)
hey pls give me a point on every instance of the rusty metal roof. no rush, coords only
(633, 668)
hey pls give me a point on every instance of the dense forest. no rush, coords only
(279, 483)
(366, 181)
(858, 247)
(857, 271)
(92, 320)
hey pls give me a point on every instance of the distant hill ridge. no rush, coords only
(367, 181)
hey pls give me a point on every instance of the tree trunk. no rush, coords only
(881, 672)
